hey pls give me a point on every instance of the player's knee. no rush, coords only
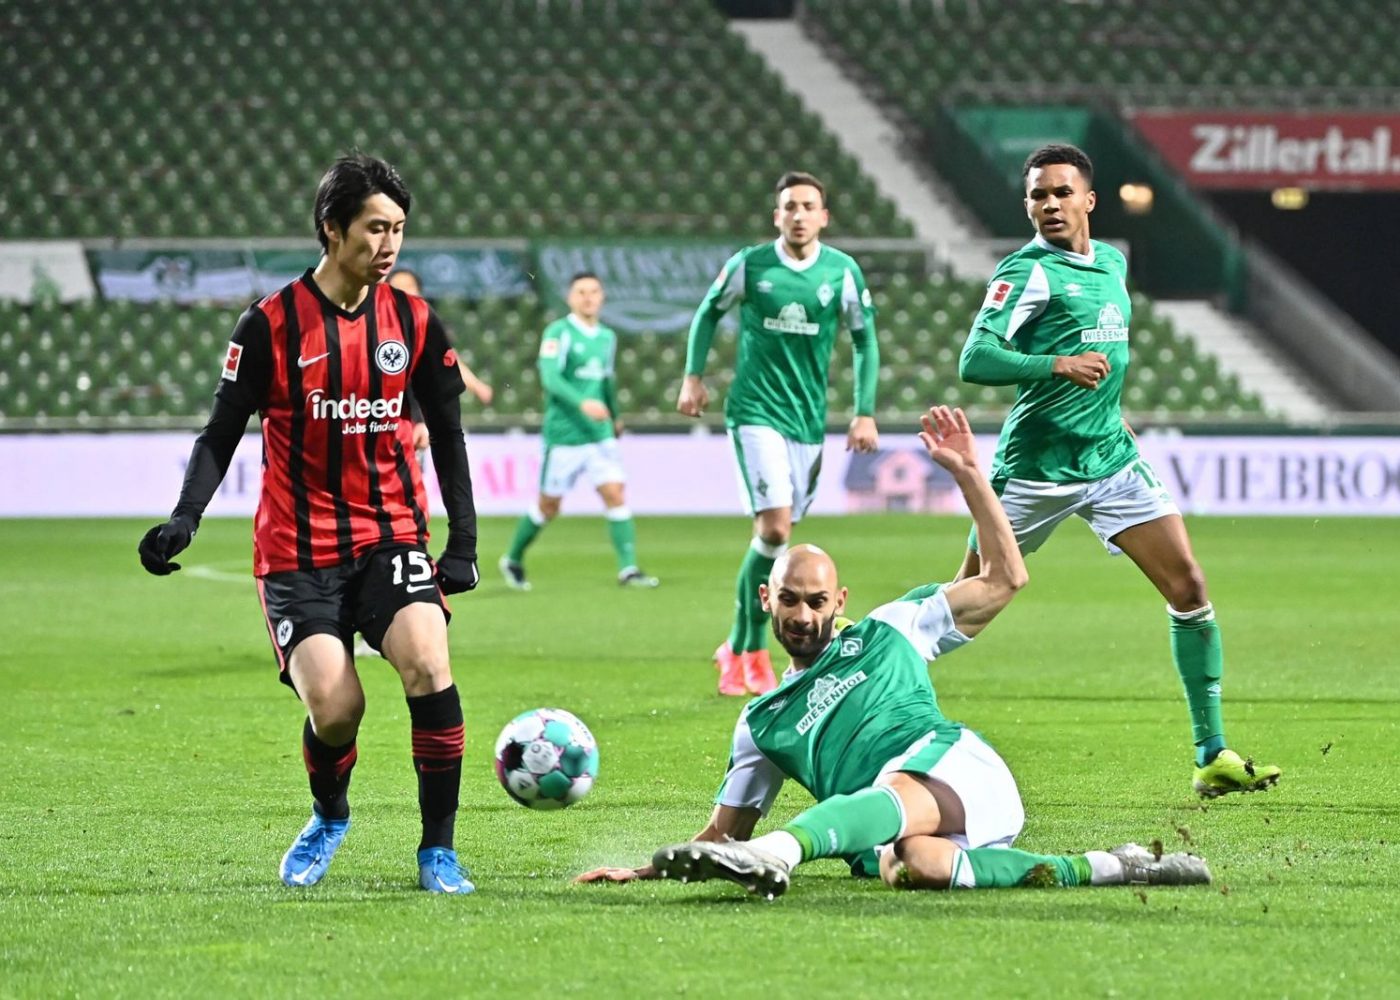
(335, 714)
(1188, 588)
(549, 507)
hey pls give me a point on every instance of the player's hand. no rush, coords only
(863, 436)
(165, 541)
(457, 574)
(694, 397)
(420, 436)
(618, 428)
(594, 409)
(1086, 370)
(949, 439)
(475, 386)
(615, 875)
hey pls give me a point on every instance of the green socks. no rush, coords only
(748, 632)
(1200, 661)
(848, 824)
(623, 532)
(1005, 867)
(527, 529)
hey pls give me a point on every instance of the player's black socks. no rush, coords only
(329, 769)
(438, 737)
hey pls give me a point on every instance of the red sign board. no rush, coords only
(1229, 149)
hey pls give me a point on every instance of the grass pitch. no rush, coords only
(150, 779)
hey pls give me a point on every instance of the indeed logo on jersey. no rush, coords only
(1111, 327)
(791, 318)
(383, 414)
(825, 694)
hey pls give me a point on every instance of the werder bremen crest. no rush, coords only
(1111, 327)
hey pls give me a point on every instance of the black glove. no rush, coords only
(457, 574)
(164, 542)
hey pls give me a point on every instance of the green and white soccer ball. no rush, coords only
(546, 759)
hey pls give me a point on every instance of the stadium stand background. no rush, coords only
(621, 118)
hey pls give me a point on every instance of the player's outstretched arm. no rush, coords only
(726, 823)
(976, 600)
(241, 391)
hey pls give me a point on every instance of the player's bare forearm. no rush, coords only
(1002, 569)
(975, 600)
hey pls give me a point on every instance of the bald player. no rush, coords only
(856, 722)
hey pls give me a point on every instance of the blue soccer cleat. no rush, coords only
(310, 855)
(439, 871)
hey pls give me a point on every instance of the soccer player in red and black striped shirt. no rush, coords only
(341, 531)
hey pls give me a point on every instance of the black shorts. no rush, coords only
(361, 596)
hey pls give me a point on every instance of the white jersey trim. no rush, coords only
(733, 288)
(1078, 258)
(927, 624)
(792, 262)
(851, 308)
(1032, 301)
(752, 781)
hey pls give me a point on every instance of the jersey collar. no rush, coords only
(578, 324)
(359, 310)
(792, 262)
(1078, 258)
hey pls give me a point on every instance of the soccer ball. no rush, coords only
(546, 759)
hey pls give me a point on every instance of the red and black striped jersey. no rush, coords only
(339, 476)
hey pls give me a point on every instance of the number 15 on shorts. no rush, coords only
(413, 571)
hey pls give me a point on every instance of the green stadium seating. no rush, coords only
(515, 118)
(1186, 53)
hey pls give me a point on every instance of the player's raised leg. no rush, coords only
(323, 674)
(1162, 550)
(416, 644)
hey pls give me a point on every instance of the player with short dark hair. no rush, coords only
(856, 722)
(1055, 324)
(577, 360)
(793, 294)
(341, 532)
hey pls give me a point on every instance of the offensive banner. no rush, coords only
(1237, 149)
(649, 285)
(131, 474)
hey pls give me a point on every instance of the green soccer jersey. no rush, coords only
(1044, 301)
(576, 363)
(863, 702)
(789, 313)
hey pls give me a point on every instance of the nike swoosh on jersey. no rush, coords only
(413, 589)
(303, 362)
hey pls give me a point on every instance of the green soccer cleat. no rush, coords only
(737, 861)
(1231, 773)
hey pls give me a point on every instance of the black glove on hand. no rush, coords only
(164, 542)
(457, 574)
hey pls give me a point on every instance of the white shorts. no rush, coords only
(564, 463)
(971, 768)
(1132, 496)
(775, 471)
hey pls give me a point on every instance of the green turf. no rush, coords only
(150, 778)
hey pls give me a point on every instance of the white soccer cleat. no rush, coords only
(1142, 867)
(759, 872)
